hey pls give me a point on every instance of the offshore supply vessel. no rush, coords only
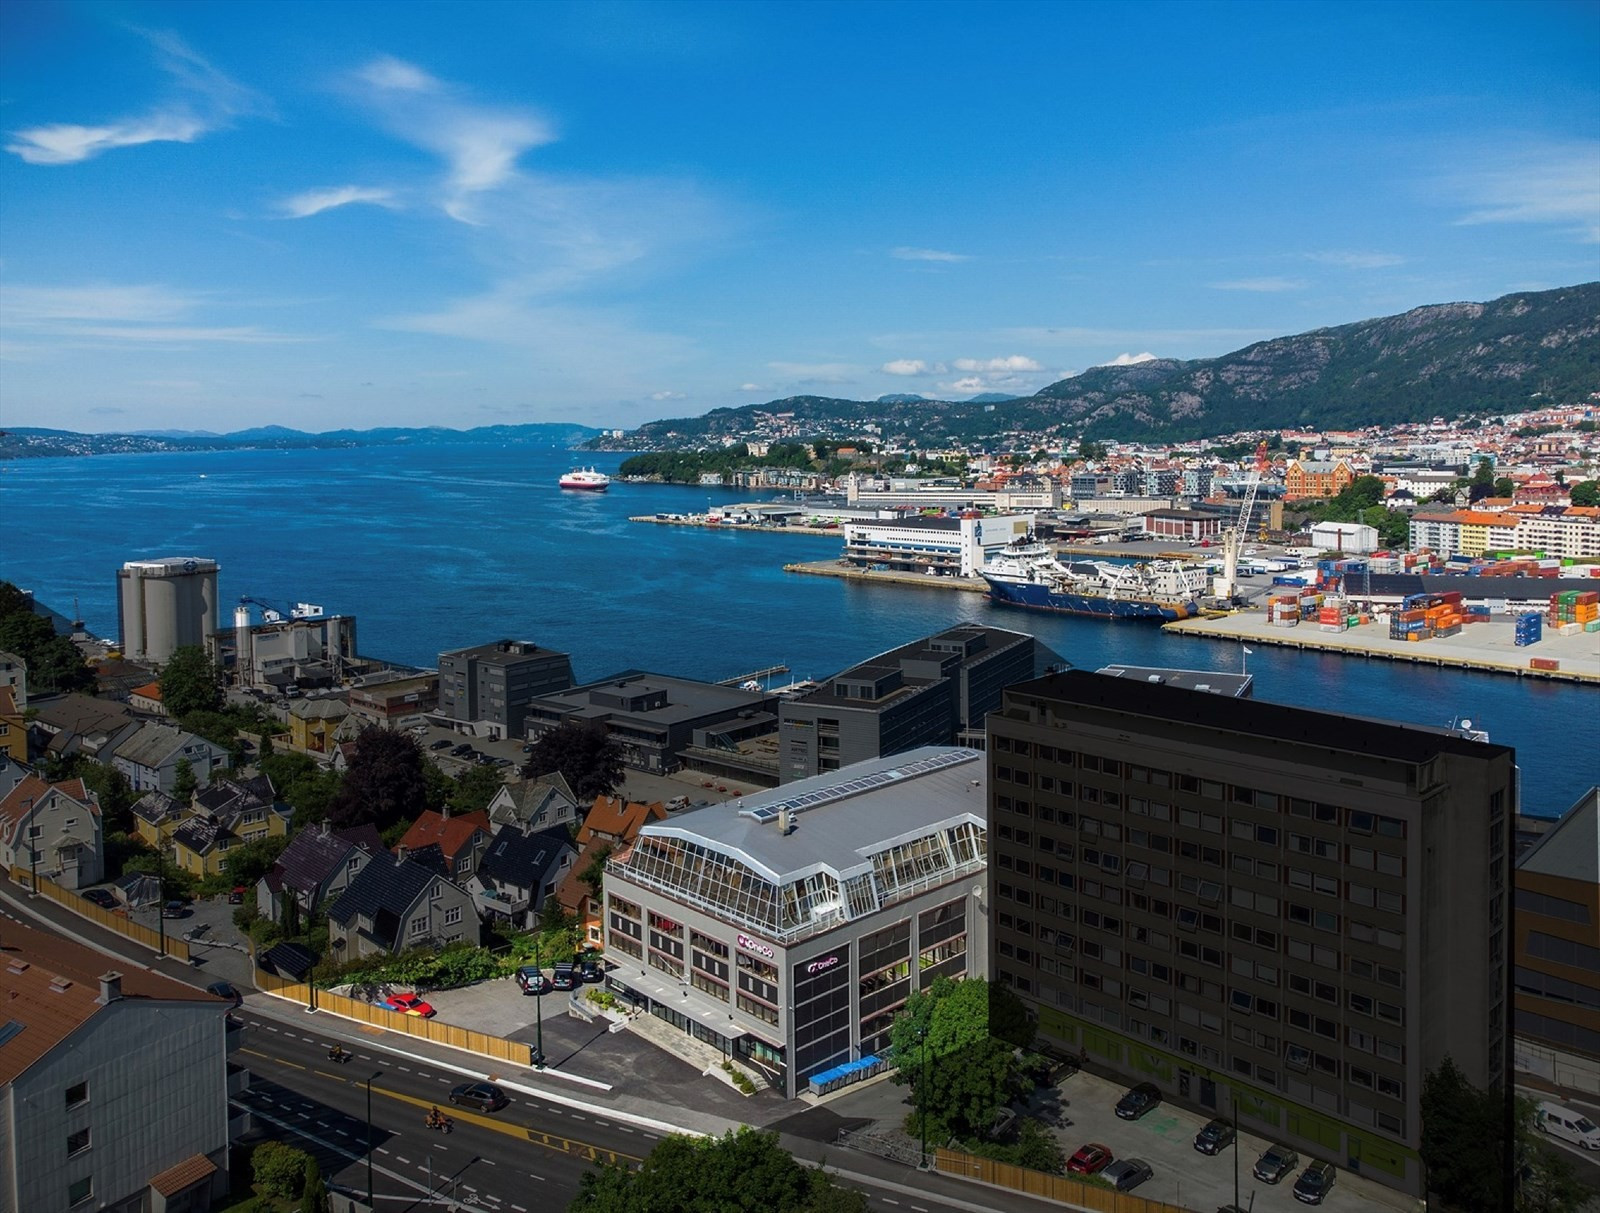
(1028, 575)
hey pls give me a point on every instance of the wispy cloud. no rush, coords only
(1013, 362)
(1129, 359)
(909, 366)
(314, 202)
(751, 387)
(1263, 285)
(817, 374)
(122, 315)
(387, 72)
(1356, 261)
(669, 396)
(203, 99)
(1557, 184)
(904, 253)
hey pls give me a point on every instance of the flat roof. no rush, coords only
(921, 791)
(1255, 718)
(996, 640)
(687, 699)
(1236, 686)
(503, 652)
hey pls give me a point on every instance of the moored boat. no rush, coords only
(586, 478)
(1027, 575)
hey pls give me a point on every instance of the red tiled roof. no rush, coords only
(150, 690)
(185, 1175)
(450, 833)
(611, 816)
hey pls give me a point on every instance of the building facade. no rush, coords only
(165, 604)
(396, 701)
(491, 685)
(53, 829)
(1239, 900)
(955, 547)
(924, 693)
(787, 929)
(1190, 525)
(1316, 478)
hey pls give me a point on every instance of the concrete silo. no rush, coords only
(163, 604)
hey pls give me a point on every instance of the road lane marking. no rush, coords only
(269, 1057)
(588, 1151)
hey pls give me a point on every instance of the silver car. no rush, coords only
(1126, 1174)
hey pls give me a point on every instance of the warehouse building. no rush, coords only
(1236, 900)
(788, 928)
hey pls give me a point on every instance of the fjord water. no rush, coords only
(436, 547)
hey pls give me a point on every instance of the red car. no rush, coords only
(409, 1004)
(1089, 1159)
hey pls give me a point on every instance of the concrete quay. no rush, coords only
(1487, 647)
(850, 572)
(700, 520)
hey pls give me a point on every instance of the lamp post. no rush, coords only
(922, 1082)
(538, 1008)
(161, 895)
(378, 1074)
(1235, 1098)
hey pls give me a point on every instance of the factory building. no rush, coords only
(165, 604)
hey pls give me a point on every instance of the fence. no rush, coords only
(1049, 1187)
(449, 1034)
(111, 920)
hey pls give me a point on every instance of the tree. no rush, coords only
(585, 752)
(1483, 474)
(1586, 492)
(53, 662)
(475, 788)
(1505, 487)
(553, 917)
(279, 1170)
(1463, 1139)
(249, 862)
(190, 682)
(738, 1171)
(594, 874)
(383, 785)
(1091, 451)
(184, 782)
(314, 1197)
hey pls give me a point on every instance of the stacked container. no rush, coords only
(1408, 625)
(1574, 611)
(1530, 629)
(1283, 611)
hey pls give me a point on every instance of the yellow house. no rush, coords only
(13, 728)
(156, 816)
(313, 723)
(226, 815)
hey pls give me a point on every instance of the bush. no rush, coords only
(279, 1170)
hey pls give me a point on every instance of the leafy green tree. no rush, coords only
(1463, 1139)
(54, 663)
(1585, 492)
(474, 788)
(279, 1169)
(190, 682)
(314, 1196)
(219, 728)
(1505, 487)
(1035, 1148)
(585, 752)
(383, 784)
(1483, 474)
(1091, 451)
(246, 864)
(554, 918)
(744, 1170)
(594, 874)
(184, 782)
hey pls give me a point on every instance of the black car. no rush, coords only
(589, 968)
(565, 977)
(1276, 1162)
(1315, 1182)
(101, 898)
(459, 750)
(174, 909)
(533, 980)
(484, 1096)
(223, 990)
(1216, 1137)
(1140, 1099)
(442, 744)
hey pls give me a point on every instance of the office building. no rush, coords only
(953, 547)
(1242, 901)
(928, 692)
(1557, 947)
(165, 604)
(115, 1087)
(788, 928)
(490, 686)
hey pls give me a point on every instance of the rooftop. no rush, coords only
(909, 668)
(1236, 686)
(1571, 848)
(659, 698)
(503, 652)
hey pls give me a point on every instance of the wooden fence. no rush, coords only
(481, 1043)
(1049, 1187)
(111, 920)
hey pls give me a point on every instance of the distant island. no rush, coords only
(24, 442)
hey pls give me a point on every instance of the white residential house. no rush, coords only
(53, 829)
(150, 757)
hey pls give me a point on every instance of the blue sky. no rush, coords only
(215, 216)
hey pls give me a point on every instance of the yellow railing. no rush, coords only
(1049, 1187)
(481, 1043)
(111, 920)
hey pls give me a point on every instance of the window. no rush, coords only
(419, 925)
(452, 916)
(79, 1191)
(77, 1142)
(77, 1094)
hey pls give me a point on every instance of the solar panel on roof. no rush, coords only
(862, 783)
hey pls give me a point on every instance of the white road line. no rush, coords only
(519, 1209)
(407, 1161)
(490, 1161)
(423, 1074)
(575, 1116)
(623, 1129)
(382, 1150)
(604, 1124)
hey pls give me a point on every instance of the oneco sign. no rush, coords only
(819, 966)
(756, 946)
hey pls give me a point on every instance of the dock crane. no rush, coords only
(1233, 538)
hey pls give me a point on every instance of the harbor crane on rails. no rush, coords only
(1226, 584)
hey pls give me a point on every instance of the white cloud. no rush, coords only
(204, 100)
(669, 396)
(314, 202)
(817, 373)
(926, 254)
(1014, 362)
(1558, 183)
(971, 383)
(751, 387)
(123, 315)
(906, 366)
(1357, 261)
(387, 72)
(1263, 285)
(1130, 359)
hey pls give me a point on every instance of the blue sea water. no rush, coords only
(434, 548)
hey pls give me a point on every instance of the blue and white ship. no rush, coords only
(1028, 575)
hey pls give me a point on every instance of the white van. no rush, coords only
(1569, 1126)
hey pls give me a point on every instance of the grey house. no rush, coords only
(150, 757)
(933, 691)
(535, 804)
(393, 905)
(315, 869)
(519, 871)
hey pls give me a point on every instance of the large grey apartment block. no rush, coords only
(789, 927)
(927, 692)
(1239, 900)
(493, 684)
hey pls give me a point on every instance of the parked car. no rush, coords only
(1126, 1174)
(1140, 1099)
(236, 895)
(1561, 1121)
(1089, 1159)
(1315, 1182)
(533, 980)
(464, 748)
(174, 909)
(408, 1004)
(589, 968)
(565, 977)
(1275, 1163)
(484, 1096)
(1216, 1137)
(442, 744)
(101, 898)
(223, 990)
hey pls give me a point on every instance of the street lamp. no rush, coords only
(1235, 1096)
(922, 1081)
(379, 1074)
(538, 1008)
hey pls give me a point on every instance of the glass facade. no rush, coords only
(821, 1012)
